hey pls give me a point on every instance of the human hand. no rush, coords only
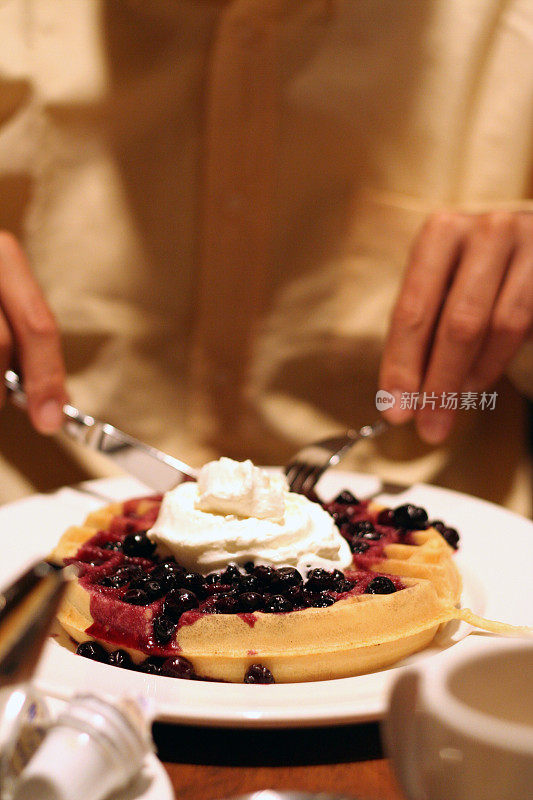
(29, 335)
(464, 309)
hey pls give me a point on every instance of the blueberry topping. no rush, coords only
(138, 544)
(359, 547)
(127, 573)
(365, 530)
(193, 581)
(346, 498)
(114, 545)
(163, 629)
(94, 651)
(177, 602)
(286, 577)
(410, 517)
(345, 586)
(177, 667)
(107, 581)
(249, 566)
(213, 578)
(220, 604)
(136, 597)
(340, 519)
(318, 579)
(276, 604)
(386, 517)
(121, 658)
(152, 665)
(257, 673)
(250, 601)
(231, 574)
(322, 600)
(297, 597)
(380, 585)
(249, 583)
(264, 574)
(452, 537)
(153, 589)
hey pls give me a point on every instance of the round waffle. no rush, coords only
(358, 632)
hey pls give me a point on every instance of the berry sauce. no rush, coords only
(140, 600)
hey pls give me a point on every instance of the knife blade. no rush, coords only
(158, 470)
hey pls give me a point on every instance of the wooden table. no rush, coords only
(214, 763)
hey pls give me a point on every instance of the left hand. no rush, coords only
(464, 309)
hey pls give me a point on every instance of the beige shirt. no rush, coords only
(218, 199)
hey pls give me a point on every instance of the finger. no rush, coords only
(6, 348)
(36, 337)
(432, 261)
(511, 323)
(465, 317)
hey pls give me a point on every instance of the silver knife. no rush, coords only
(156, 469)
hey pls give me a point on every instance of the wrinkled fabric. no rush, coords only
(218, 199)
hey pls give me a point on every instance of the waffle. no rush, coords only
(357, 633)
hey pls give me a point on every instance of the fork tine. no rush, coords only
(291, 471)
(312, 479)
(303, 474)
(309, 463)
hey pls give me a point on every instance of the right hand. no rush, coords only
(29, 338)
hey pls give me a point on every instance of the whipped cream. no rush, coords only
(236, 513)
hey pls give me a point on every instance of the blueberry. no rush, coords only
(257, 673)
(250, 601)
(284, 578)
(153, 589)
(322, 600)
(231, 574)
(169, 574)
(129, 572)
(226, 604)
(276, 604)
(365, 530)
(318, 579)
(296, 596)
(121, 658)
(136, 597)
(410, 517)
(213, 578)
(340, 519)
(177, 602)
(177, 667)
(346, 498)
(163, 629)
(265, 575)
(380, 585)
(248, 583)
(249, 566)
(337, 579)
(359, 547)
(94, 651)
(452, 537)
(152, 665)
(193, 581)
(138, 544)
(107, 581)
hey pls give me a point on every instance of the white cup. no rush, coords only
(461, 728)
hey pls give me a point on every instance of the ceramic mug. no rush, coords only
(461, 727)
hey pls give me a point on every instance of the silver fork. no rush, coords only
(309, 464)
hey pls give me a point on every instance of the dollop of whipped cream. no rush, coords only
(237, 512)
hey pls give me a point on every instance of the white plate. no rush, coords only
(495, 557)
